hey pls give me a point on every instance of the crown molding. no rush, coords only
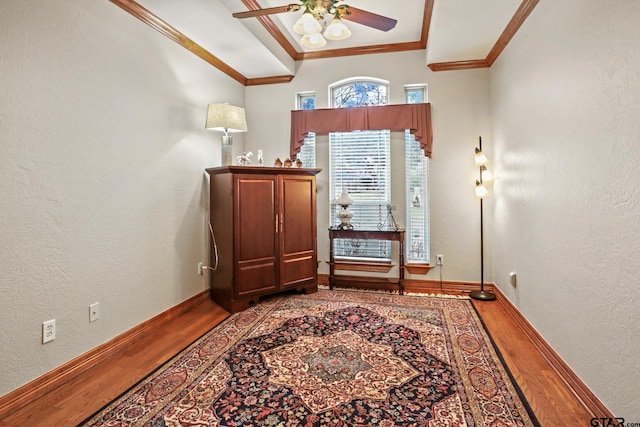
(523, 12)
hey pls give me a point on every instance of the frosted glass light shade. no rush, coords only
(344, 199)
(486, 174)
(307, 24)
(226, 118)
(313, 41)
(337, 30)
(481, 190)
(481, 159)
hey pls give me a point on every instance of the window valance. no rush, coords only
(415, 117)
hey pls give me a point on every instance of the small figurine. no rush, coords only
(287, 163)
(245, 159)
(260, 158)
(298, 162)
(277, 163)
(415, 202)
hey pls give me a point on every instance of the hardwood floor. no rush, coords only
(82, 396)
(552, 401)
(550, 398)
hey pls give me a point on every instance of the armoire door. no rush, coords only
(297, 237)
(255, 244)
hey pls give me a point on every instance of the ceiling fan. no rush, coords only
(312, 24)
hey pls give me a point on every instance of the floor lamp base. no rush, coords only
(483, 295)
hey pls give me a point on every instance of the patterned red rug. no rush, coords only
(333, 358)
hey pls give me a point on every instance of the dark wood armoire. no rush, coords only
(264, 227)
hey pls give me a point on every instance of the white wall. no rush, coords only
(103, 196)
(102, 185)
(566, 107)
(460, 109)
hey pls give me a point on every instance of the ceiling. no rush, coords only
(455, 34)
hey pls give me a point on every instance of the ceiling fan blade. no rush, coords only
(369, 19)
(266, 11)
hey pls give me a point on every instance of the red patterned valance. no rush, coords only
(415, 117)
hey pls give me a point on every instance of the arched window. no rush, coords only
(360, 161)
(359, 92)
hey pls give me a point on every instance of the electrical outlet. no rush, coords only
(94, 312)
(439, 259)
(48, 331)
(200, 272)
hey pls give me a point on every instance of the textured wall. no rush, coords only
(566, 107)
(460, 109)
(101, 176)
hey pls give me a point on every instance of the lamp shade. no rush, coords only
(226, 118)
(481, 190)
(313, 41)
(307, 24)
(344, 199)
(480, 158)
(337, 30)
(486, 174)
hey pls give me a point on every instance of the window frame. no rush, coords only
(308, 151)
(342, 246)
(421, 217)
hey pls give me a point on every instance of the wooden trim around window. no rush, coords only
(415, 268)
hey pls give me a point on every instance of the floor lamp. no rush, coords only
(481, 192)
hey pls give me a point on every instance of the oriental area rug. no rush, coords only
(333, 358)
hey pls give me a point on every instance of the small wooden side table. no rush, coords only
(392, 235)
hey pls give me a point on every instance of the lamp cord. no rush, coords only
(441, 289)
(215, 250)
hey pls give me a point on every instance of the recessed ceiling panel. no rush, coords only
(464, 30)
(408, 13)
(459, 30)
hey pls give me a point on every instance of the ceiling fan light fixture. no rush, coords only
(337, 30)
(313, 41)
(307, 24)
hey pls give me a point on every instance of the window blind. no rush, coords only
(417, 203)
(360, 162)
(308, 151)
